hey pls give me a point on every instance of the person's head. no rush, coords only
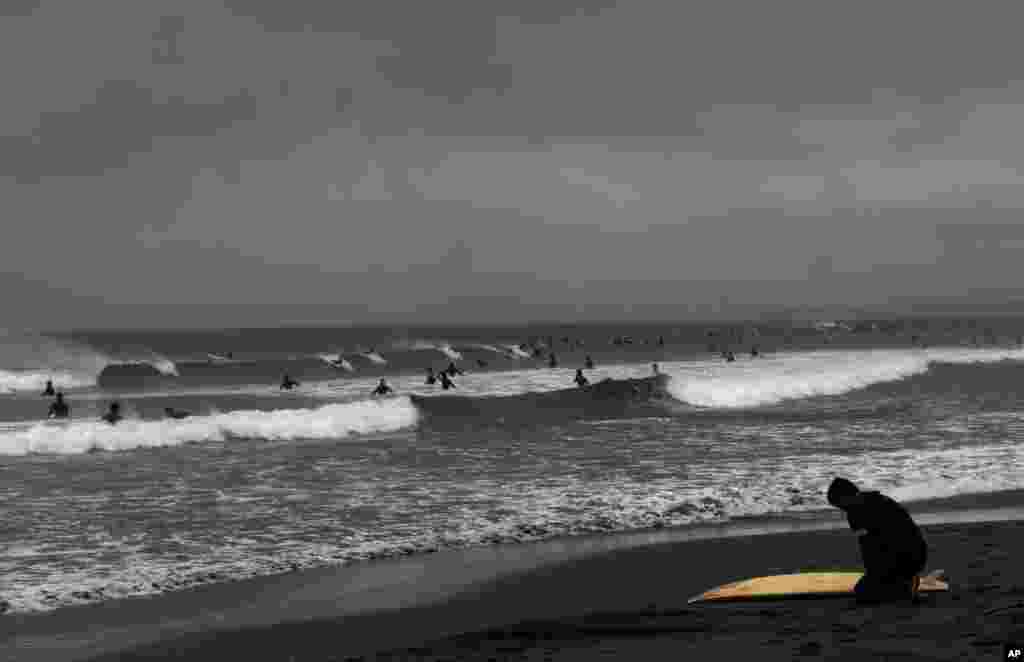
(115, 406)
(843, 493)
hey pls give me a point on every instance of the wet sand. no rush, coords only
(623, 602)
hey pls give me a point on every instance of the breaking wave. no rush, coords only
(327, 422)
(766, 381)
(28, 360)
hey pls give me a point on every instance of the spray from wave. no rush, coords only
(442, 346)
(336, 361)
(328, 422)
(516, 352)
(787, 377)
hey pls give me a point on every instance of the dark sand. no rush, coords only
(629, 603)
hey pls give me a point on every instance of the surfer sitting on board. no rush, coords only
(382, 388)
(287, 383)
(59, 408)
(113, 415)
(893, 549)
(580, 379)
(48, 391)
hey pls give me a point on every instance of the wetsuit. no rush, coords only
(893, 549)
(59, 409)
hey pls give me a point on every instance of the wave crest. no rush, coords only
(327, 422)
(768, 381)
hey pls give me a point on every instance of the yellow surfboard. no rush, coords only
(803, 585)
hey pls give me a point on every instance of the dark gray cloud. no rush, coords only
(124, 120)
(19, 7)
(441, 159)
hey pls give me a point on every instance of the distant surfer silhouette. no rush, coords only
(113, 414)
(446, 382)
(287, 383)
(588, 363)
(580, 379)
(552, 361)
(655, 369)
(431, 379)
(481, 363)
(382, 388)
(171, 412)
(893, 549)
(730, 357)
(48, 391)
(754, 351)
(59, 408)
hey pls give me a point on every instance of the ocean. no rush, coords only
(257, 480)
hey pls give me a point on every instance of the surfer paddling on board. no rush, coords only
(893, 549)
(113, 415)
(382, 388)
(59, 408)
(580, 379)
(287, 383)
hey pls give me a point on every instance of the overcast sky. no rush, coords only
(239, 162)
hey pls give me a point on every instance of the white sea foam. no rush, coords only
(516, 352)
(327, 422)
(336, 361)
(375, 358)
(762, 381)
(34, 380)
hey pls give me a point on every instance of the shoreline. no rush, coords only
(388, 588)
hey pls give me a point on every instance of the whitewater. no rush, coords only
(257, 480)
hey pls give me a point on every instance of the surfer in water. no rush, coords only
(588, 363)
(59, 408)
(580, 379)
(552, 361)
(893, 549)
(446, 382)
(431, 379)
(113, 414)
(287, 383)
(171, 412)
(655, 369)
(48, 391)
(382, 388)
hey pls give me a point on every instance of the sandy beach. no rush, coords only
(569, 601)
